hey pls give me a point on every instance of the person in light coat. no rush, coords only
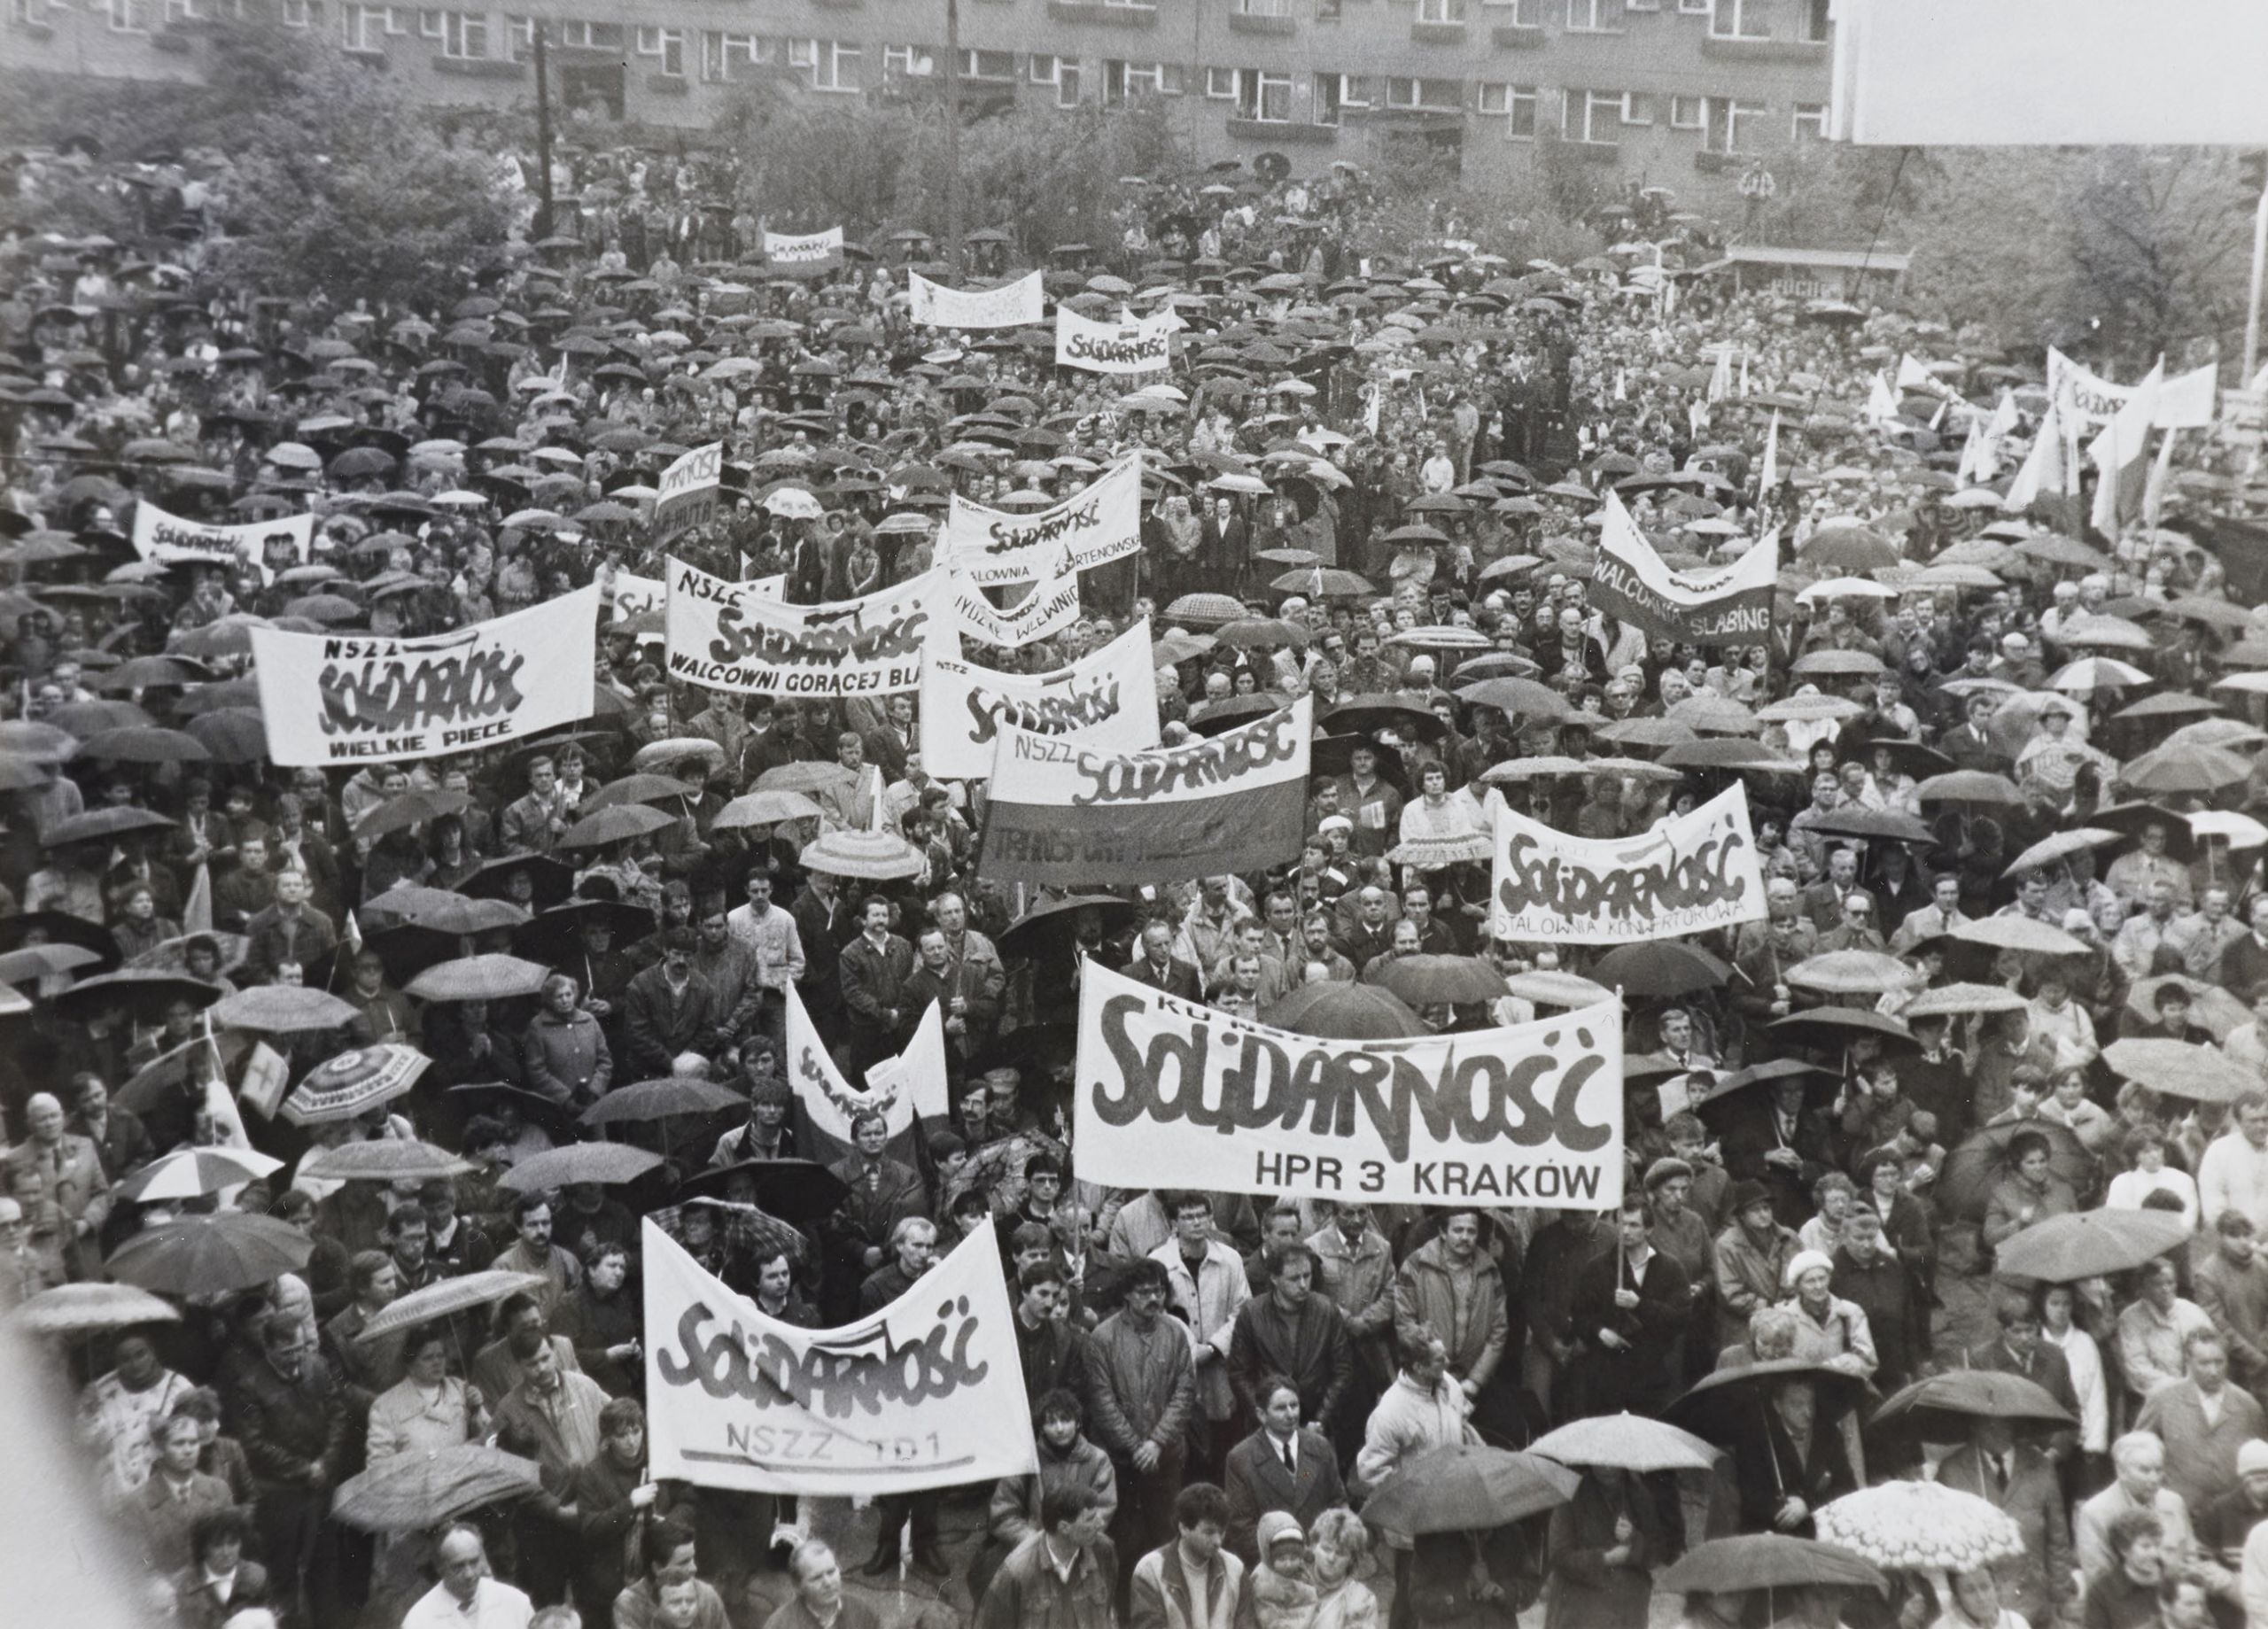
(1205, 1283)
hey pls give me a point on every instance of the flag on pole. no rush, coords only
(1768, 477)
(2120, 454)
(2161, 474)
(1370, 411)
(1720, 376)
(2047, 470)
(1882, 405)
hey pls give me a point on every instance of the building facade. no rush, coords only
(1693, 94)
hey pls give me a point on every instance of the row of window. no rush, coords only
(1729, 19)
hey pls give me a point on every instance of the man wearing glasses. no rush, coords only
(1857, 931)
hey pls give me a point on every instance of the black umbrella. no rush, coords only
(58, 927)
(1982, 1162)
(1030, 933)
(1943, 1407)
(1730, 1405)
(145, 994)
(796, 1191)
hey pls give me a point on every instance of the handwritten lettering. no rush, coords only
(419, 691)
(835, 1375)
(1145, 348)
(1236, 756)
(1531, 878)
(1081, 705)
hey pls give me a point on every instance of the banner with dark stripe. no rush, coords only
(1731, 605)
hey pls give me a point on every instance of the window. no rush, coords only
(1441, 11)
(669, 45)
(1133, 6)
(591, 36)
(399, 19)
(1523, 13)
(1810, 121)
(1693, 8)
(363, 27)
(1060, 71)
(1335, 93)
(908, 62)
(1431, 96)
(726, 57)
(1515, 104)
(296, 13)
(1221, 84)
(1596, 116)
(1264, 8)
(1726, 120)
(837, 68)
(1811, 23)
(1689, 112)
(1123, 82)
(463, 35)
(184, 10)
(1590, 17)
(1264, 96)
(1637, 107)
(1641, 5)
(987, 64)
(130, 16)
(1730, 20)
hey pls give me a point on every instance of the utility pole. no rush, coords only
(542, 132)
(952, 138)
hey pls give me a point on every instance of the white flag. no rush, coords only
(1770, 476)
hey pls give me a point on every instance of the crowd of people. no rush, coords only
(2013, 969)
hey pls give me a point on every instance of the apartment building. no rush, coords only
(1693, 94)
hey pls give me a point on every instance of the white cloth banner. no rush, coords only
(687, 495)
(1172, 1093)
(906, 1089)
(735, 636)
(927, 1393)
(635, 595)
(1686, 876)
(347, 698)
(1052, 606)
(268, 546)
(1141, 345)
(1100, 522)
(1012, 305)
(802, 251)
(1106, 701)
(2185, 402)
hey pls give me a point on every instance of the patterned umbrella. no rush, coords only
(386, 1160)
(193, 1173)
(352, 1082)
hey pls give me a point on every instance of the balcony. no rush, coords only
(1106, 16)
(1263, 22)
(1282, 133)
(1517, 37)
(1761, 48)
(1438, 34)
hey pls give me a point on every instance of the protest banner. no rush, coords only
(687, 497)
(736, 636)
(1175, 1094)
(1100, 522)
(268, 546)
(1107, 702)
(927, 1393)
(1052, 606)
(1729, 605)
(353, 697)
(784, 250)
(2185, 402)
(633, 595)
(907, 1089)
(1141, 345)
(1689, 874)
(1066, 815)
(1012, 305)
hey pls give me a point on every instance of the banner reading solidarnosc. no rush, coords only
(1052, 606)
(268, 546)
(687, 497)
(1731, 605)
(1106, 701)
(779, 247)
(1100, 522)
(904, 1089)
(1012, 305)
(1174, 1093)
(1143, 345)
(1686, 876)
(348, 697)
(735, 636)
(1065, 816)
(2186, 402)
(927, 1393)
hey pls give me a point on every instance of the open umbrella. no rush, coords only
(2018, 932)
(2061, 846)
(1662, 967)
(1547, 986)
(1851, 972)
(1920, 1526)
(282, 1009)
(1444, 980)
(210, 1255)
(400, 813)
(2180, 1069)
(1942, 1408)
(78, 1308)
(874, 856)
(447, 1299)
(1345, 1012)
(675, 1094)
(345, 1086)
(617, 824)
(386, 1160)
(1029, 934)
(579, 1162)
(1728, 1405)
(1767, 1561)
(771, 808)
(1968, 786)
(2210, 1006)
(1981, 1163)
(1959, 1000)
(1466, 1486)
(439, 911)
(1626, 1441)
(408, 1492)
(795, 1191)
(489, 977)
(193, 1173)
(2089, 1244)
(2184, 768)
(144, 993)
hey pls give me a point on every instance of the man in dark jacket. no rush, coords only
(1158, 967)
(825, 923)
(291, 1421)
(875, 970)
(671, 1010)
(1628, 1314)
(1294, 1332)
